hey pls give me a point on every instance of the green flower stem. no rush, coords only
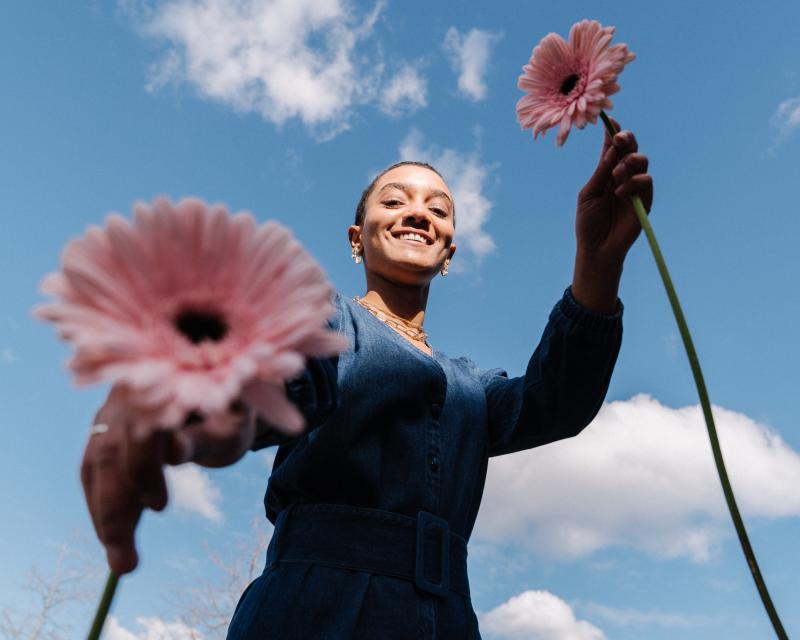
(706, 405)
(105, 600)
(104, 606)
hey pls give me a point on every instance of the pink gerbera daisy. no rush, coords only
(189, 309)
(568, 83)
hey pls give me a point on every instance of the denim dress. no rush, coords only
(374, 504)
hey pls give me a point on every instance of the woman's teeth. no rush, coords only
(412, 236)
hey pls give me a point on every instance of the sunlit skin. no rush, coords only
(121, 475)
(399, 272)
(407, 199)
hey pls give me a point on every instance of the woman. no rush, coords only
(374, 504)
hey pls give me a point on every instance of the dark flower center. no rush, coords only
(569, 84)
(197, 326)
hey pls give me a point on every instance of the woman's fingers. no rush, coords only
(120, 476)
(113, 502)
(641, 185)
(216, 442)
(628, 166)
(143, 459)
(607, 139)
(87, 481)
(614, 150)
(625, 142)
(122, 471)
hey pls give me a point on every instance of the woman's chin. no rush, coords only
(409, 273)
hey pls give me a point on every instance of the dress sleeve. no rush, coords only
(314, 391)
(314, 394)
(565, 382)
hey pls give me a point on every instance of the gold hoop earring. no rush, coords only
(444, 268)
(356, 254)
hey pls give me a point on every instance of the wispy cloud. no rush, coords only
(281, 59)
(785, 121)
(640, 476)
(191, 490)
(537, 615)
(153, 629)
(466, 176)
(406, 92)
(636, 618)
(7, 356)
(469, 58)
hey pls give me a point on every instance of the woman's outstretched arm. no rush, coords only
(564, 384)
(568, 375)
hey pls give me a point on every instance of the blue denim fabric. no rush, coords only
(396, 430)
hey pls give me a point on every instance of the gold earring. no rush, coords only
(444, 268)
(356, 254)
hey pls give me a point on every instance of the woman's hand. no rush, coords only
(606, 224)
(123, 470)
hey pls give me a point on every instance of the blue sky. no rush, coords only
(619, 533)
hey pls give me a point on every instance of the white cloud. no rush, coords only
(537, 615)
(469, 57)
(113, 630)
(636, 618)
(642, 476)
(281, 59)
(404, 93)
(466, 177)
(7, 356)
(785, 121)
(154, 629)
(191, 489)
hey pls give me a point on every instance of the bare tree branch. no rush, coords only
(209, 605)
(71, 582)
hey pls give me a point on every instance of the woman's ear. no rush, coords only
(356, 250)
(354, 235)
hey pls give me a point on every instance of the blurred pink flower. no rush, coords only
(568, 83)
(189, 309)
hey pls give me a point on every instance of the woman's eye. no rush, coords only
(439, 212)
(392, 203)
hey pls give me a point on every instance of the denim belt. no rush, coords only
(422, 549)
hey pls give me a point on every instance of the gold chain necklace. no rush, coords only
(396, 322)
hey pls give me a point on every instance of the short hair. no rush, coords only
(361, 209)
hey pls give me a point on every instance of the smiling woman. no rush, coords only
(404, 229)
(374, 503)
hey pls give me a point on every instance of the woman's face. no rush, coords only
(408, 228)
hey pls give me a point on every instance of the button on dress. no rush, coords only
(395, 430)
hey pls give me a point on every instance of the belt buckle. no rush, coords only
(424, 520)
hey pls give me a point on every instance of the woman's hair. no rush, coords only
(362, 203)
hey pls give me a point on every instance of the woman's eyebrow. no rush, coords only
(408, 190)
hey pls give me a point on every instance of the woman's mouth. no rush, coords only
(413, 237)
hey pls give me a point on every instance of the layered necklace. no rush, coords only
(396, 322)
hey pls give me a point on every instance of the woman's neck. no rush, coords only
(405, 301)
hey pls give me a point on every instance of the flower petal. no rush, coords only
(586, 52)
(259, 302)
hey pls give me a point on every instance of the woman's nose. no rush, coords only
(418, 214)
